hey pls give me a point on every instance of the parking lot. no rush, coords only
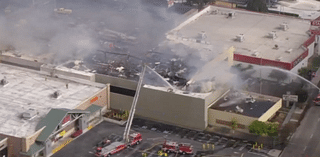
(154, 134)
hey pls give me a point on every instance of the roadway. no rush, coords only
(305, 142)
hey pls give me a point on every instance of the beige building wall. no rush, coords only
(176, 109)
(28, 141)
(267, 115)
(115, 81)
(100, 99)
(119, 101)
(228, 116)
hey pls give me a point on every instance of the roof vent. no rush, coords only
(4, 81)
(240, 37)
(289, 51)
(278, 59)
(202, 35)
(284, 26)
(231, 15)
(255, 54)
(31, 113)
(56, 94)
(273, 34)
(214, 12)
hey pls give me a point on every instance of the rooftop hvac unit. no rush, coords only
(231, 15)
(31, 113)
(214, 12)
(240, 37)
(278, 59)
(255, 54)
(202, 35)
(284, 26)
(273, 34)
(289, 51)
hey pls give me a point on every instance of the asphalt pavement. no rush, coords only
(306, 139)
(84, 146)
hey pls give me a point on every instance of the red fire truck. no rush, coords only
(316, 101)
(173, 147)
(116, 147)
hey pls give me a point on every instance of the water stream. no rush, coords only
(289, 72)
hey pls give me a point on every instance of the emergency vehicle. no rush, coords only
(316, 101)
(113, 148)
(107, 149)
(173, 147)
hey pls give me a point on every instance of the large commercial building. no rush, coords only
(41, 110)
(258, 38)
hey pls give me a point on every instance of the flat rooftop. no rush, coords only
(221, 33)
(231, 102)
(29, 89)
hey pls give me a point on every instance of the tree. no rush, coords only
(272, 129)
(257, 5)
(234, 124)
(302, 95)
(258, 127)
(262, 128)
(304, 72)
(279, 75)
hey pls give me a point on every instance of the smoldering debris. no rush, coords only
(108, 37)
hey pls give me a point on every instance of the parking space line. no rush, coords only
(241, 148)
(152, 153)
(133, 150)
(257, 154)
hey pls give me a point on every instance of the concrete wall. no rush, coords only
(118, 101)
(68, 72)
(172, 108)
(100, 99)
(228, 116)
(114, 81)
(20, 62)
(267, 115)
(28, 141)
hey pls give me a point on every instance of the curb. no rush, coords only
(114, 121)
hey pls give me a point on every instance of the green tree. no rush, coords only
(302, 95)
(258, 127)
(234, 124)
(304, 72)
(257, 5)
(272, 129)
(278, 75)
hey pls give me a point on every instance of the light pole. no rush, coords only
(260, 75)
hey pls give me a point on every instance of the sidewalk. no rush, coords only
(267, 141)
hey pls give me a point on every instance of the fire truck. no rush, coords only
(128, 139)
(111, 148)
(173, 147)
(316, 101)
